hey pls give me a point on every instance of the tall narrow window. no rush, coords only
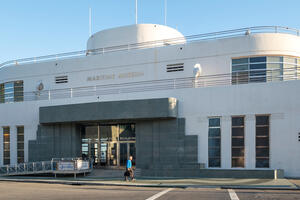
(9, 92)
(274, 68)
(20, 145)
(262, 141)
(214, 142)
(2, 93)
(240, 71)
(258, 69)
(298, 69)
(18, 91)
(237, 142)
(6, 146)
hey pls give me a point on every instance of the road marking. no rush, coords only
(159, 194)
(233, 195)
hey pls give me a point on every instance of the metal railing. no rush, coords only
(43, 167)
(235, 78)
(157, 43)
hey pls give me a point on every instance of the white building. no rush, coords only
(226, 100)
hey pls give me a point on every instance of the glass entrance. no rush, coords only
(89, 145)
(109, 145)
(127, 149)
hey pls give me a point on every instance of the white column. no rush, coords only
(226, 142)
(203, 140)
(250, 141)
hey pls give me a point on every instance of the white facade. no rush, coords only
(141, 67)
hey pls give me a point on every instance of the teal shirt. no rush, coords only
(129, 164)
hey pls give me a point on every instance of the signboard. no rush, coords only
(81, 165)
(65, 166)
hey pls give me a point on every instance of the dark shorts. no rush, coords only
(129, 172)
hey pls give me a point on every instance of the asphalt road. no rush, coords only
(32, 191)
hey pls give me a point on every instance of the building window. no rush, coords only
(240, 71)
(258, 70)
(20, 145)
(262, 141)
(2, 93)
(265, 69)
(18, 91)
(11, 92)
(214, 142)
(6, 145)
(237, 142)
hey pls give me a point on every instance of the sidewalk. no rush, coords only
(162, 182)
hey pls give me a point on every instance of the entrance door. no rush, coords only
(109, 145)
(127, 149)
(123, 153)
(89, 143)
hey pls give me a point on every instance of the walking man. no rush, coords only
(129, 169)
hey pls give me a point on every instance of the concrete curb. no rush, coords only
(91, 183)
(66, 182)
(259, 188)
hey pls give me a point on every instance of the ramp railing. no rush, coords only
(55, 166)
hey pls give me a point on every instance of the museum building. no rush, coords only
(180, 105)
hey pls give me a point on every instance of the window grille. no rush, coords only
(61, 79)
(175, 67)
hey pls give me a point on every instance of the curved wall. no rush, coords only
(132, 34)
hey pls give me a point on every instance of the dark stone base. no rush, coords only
(163, 144)
(55, 141)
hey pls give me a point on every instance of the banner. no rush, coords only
(81, 165)
(65, 166)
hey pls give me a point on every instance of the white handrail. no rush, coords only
(157, 43)
(234, 78)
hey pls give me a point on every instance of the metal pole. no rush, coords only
(165, 12)
(90, 22)
(136, 11)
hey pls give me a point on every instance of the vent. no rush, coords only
(175, 67)
(299, 137)
(61, 79)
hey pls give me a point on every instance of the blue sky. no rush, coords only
(41, 27)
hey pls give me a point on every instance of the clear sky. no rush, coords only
(40, 27)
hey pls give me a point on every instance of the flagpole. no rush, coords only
(165, 12)
(136, 11)
(90, 22)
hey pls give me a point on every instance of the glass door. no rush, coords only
(109, 145)
(132, 152)
(123, 153)
(89, 143)
(127, 149)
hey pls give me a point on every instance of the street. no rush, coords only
(32, 191)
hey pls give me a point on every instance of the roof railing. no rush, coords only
(157, 43)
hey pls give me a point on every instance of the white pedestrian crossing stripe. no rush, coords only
(159, 194)
(233, 195)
